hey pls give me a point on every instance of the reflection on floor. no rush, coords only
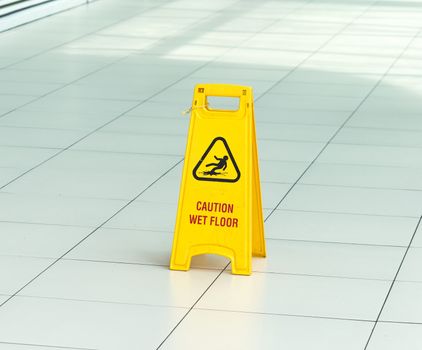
(91, 150)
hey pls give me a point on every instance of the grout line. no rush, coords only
(131, 263)
(288, 315)
(336, 277)
(345, 213)
(358, 187)
(402, 322)
(377, 128)
(102, 301)
(44, 224)
(379, 144)
(337, 242)
(392, 283)
(92, 232)
(362, 165)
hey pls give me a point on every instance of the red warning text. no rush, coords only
(198, 219)
(215, 207)
(214, 220)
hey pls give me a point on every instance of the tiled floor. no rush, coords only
(91, 151)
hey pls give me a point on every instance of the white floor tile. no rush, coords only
(378, 105)
(11, 346)
(379, 137)
(65, 120)
(10, 102)
(43, 138)
(82, 324)
(279, 58)
(354, 200)
(409, 122)
(52, 104)
(16, 271)
(330, 259)
(288, 150)
(40, 76)
(403, 303)
(266, 332)
(149, 125)
(132, 143)
(220, 72)
(410, 270)
(372, 155)
(32, 240)
(146, 216)
(340, 227)
(299, 116)
(24, 157)
(315, 89)
(391, 336)
(285, 132)
(121, 283)
(363, 61)
(158, 109)
(317, 103)
(125, 92)
(297, 295)
(111, 42)
(60, 210)
(8, 174)
(417, 241)
(280, 171)
(27, 88)
(54, 60)
(322, 77)
(297, 42)
(7, 60)
(272, 193)
(363, 176)
(94, 175)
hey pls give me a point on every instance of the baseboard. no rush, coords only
(38, 11)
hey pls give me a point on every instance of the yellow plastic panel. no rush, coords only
(220, 210)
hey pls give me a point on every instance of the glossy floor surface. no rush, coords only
(91, 150)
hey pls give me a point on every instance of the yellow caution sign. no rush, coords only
(220, 209)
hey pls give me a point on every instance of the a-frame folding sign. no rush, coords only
(220, 210)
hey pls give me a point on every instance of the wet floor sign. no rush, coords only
(220, 210)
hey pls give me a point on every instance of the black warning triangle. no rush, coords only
(217, 163)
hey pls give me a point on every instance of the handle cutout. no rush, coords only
(221, 103)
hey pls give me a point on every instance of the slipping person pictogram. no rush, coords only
(222, 164)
